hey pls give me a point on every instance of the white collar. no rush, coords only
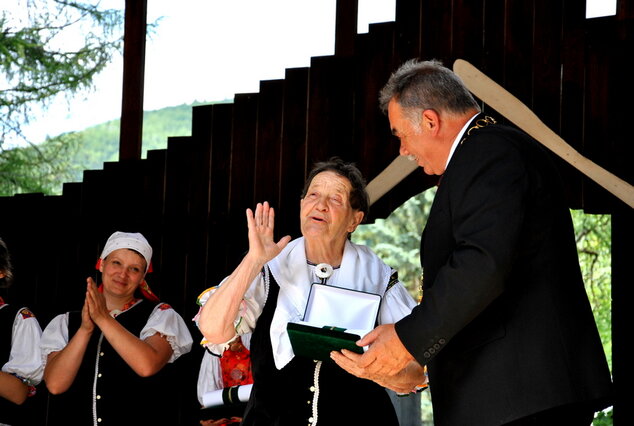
(360, 269)
(459, 138)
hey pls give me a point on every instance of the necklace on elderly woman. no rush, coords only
(323, 271)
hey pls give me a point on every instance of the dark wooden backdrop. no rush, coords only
(189, 199)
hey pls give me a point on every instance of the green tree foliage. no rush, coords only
(48, 48)
(396, 239)
(30, 169)
(54, 47)
(25, 169)
(594, 245)
(100, 143)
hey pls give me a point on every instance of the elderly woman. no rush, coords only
(270, 288)
(102, 362)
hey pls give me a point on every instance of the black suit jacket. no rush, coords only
(505, 326)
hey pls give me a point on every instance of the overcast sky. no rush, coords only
(206, 50)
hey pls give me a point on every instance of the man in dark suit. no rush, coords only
(504, 327)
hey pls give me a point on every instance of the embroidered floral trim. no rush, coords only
(26, 313)
(393, 280)
(131, 303)
(164, 306)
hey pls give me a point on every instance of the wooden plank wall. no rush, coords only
(189, 199)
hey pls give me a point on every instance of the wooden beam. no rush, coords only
(133, 79)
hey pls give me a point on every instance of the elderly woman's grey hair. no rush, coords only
(420, 85)
(359, 198)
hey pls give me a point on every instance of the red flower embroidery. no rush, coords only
(26, 313)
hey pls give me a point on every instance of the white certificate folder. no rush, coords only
(334, 319)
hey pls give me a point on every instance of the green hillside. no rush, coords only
(100, 143)
(45, 167)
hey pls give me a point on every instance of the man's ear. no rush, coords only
(431, 121)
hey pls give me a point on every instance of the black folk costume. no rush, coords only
(290, 390)
(106, 391)
(288, 396)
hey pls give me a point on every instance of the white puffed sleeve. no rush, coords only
(396, 304)
(167, 322)
(54, 336)
(25, 360)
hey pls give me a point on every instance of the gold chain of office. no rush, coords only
(479, 123)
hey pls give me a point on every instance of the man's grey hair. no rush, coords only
(420, 85)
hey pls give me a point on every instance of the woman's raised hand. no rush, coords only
(262, 246)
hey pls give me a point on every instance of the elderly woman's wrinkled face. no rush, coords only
(325, 211)
(122, 272)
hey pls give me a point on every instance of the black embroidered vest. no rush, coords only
(106, 390)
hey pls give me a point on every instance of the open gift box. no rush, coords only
(334, 319)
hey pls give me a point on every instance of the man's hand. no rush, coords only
(386, 356)
(405, 381)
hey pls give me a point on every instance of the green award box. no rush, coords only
(334, 319)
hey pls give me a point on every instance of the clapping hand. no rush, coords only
(95, 302)
(86, 322)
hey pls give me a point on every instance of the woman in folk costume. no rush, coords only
(104, 364)
(270, 288)
(20, 360)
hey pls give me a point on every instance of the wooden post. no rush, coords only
(133, 80)
(346, 26)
